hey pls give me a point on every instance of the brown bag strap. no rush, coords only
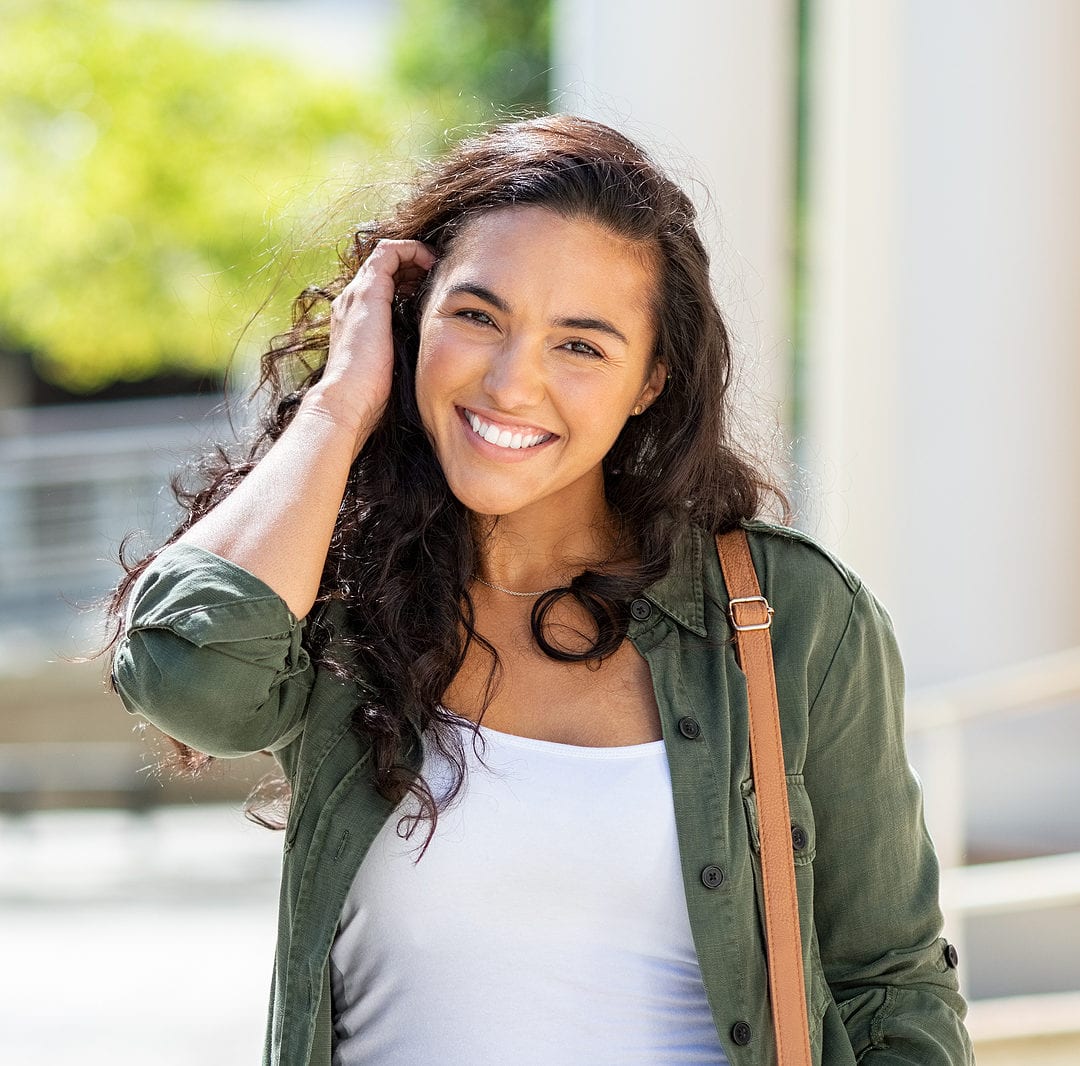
(751, 616)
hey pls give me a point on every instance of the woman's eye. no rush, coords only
(583, 349)
(478, 317)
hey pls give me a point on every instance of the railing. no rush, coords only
(73, 481)
(999, 887)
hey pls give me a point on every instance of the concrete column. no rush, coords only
(943, 375)
(709, 87)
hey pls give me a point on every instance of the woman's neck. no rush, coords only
(543, 549)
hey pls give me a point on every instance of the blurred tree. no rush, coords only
(472, 58)
(148, 179)
(154, 183)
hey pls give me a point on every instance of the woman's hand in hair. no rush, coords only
(355, 385)
(278, 521)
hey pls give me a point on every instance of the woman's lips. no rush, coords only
(501, 440)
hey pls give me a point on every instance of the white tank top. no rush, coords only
(545, 924)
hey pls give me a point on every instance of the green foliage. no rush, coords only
(148, 178)
(472, 59)
(155, 184)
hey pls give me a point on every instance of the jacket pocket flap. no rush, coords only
(801, 816)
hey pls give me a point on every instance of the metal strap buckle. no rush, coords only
(750, 599)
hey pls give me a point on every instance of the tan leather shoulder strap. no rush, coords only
(751, 617)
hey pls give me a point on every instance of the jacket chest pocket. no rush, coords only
(803, 843)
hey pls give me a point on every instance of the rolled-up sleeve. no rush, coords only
(876, 904)
(212, 656)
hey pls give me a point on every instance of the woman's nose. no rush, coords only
(514, 377)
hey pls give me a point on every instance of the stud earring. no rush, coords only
(638, 409)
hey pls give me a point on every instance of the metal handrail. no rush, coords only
(73, 482)
(1020, 688)
(1015, 884)
(1019, 1017)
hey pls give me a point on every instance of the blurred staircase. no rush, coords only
(998, 759)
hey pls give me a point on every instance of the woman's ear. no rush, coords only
(654, 385)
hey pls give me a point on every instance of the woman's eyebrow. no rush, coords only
(600, 325)
(469, 288)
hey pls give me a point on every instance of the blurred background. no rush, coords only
(889, 191)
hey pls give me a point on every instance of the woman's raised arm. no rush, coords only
(278, 521)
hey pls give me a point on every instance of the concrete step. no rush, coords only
(1026, 1030)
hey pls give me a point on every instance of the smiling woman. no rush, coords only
(482, 506)
(518, 343)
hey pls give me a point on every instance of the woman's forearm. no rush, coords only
(277, 523)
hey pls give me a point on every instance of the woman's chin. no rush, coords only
(489, 503)
(483, 494)
(490, 492)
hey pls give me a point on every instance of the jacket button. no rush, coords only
(799, 837)
(741, 1033)
(689, 728)
(641, 609)
(712, 877)
(952, 957)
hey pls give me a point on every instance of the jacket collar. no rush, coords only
(680, 593)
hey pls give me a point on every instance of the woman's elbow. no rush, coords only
(202, 698)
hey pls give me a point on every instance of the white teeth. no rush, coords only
(504, 438)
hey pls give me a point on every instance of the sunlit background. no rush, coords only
(889, 188)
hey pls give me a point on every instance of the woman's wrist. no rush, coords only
(353, 419)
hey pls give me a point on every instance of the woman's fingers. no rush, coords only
(390, 264)
(408, 278)
(359, 366)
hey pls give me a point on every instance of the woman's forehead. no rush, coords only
(534, 247)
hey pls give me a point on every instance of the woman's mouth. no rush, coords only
(511, 438)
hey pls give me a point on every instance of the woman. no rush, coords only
(481, 508)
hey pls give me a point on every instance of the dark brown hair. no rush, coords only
(400, 560)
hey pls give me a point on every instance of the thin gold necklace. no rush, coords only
(544, 592)
(511, 592)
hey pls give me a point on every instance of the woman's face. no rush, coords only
(535, 344)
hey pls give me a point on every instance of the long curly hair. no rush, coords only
(404, 549)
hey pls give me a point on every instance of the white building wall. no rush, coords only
(945, 318)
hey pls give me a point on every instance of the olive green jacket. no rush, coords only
(212, 656)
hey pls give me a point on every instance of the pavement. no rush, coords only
(136, 938)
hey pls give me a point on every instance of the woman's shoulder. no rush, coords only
(798, 555)
(812, 591)
(806, 583)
